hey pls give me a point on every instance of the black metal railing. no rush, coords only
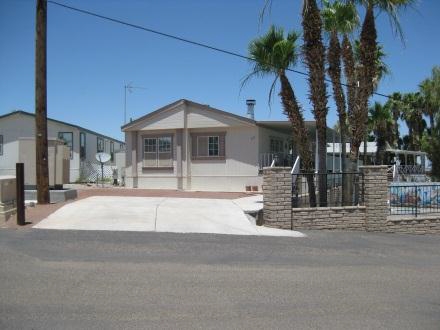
(342, 189)
(414, 199)
(278, 158)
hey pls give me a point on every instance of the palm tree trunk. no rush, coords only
(381, 146)
(314, 52)
(366, 74)
(350, 74)
(41, 152)
(365, 148)
(300, 134)
(396, 130)
(334, 70)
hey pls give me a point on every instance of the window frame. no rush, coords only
(82, 153)
(60, 134)
(97, 144)
(274, 140)
(157, 150)
(112, 151)
(220, 154)
(1, 144)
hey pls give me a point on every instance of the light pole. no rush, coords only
(130, 88)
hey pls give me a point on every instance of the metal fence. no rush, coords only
(334, 184)
(414, 199)
(279, 159)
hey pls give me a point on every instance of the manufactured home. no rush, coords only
(191, 146)
(83, 143)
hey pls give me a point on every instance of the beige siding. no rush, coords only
(200, 118)
(241, 155)
(156, 182)
(170, 119)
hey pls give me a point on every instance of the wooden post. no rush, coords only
(42, 168)
(19, 175)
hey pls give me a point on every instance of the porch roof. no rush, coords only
(284, 126)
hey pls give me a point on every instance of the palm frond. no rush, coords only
(266, 8)
(272, 88)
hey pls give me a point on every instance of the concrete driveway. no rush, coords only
(160, 214)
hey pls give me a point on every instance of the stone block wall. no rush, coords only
(344, 218)
(422, 224)
(373, 216)
(277, 197)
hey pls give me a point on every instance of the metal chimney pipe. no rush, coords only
(250, 108)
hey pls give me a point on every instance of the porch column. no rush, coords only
(134, 158)
(179, 153)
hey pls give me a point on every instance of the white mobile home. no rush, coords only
(83, 143)
(191, 146)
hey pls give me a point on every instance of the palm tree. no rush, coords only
(272, 54)
(413, 116)
(338, 18)
(381, 67)
(314, 58)
(430, 90)
(381, 70)
(395, 104)
(380, 121)
(368, 69)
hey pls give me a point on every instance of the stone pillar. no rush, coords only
(375, 196)
(277, 197)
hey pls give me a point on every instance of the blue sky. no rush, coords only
(90, 60)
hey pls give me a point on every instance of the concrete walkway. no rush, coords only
(161, 214)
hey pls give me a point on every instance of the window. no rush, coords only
(158, 151)
(112, 150)
(100, 144)
(121, 146)
(67, 137)
(208, 146)
(82, 146)
(213, 145)
(276, 145)
(1, 145)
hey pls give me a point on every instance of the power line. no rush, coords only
(139, 27)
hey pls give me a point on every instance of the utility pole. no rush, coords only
(129, 87)
(41, 153)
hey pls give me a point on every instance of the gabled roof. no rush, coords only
(191, 103)
(18, 112)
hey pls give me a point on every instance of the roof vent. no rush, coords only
(250, 108)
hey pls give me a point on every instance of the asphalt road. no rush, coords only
(114, 280)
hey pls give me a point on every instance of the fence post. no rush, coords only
(417, 199)
(277, 197)
(376, 196)
(19, 175)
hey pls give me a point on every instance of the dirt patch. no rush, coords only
(39, 212)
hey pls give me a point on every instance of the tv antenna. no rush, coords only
(129, 87)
